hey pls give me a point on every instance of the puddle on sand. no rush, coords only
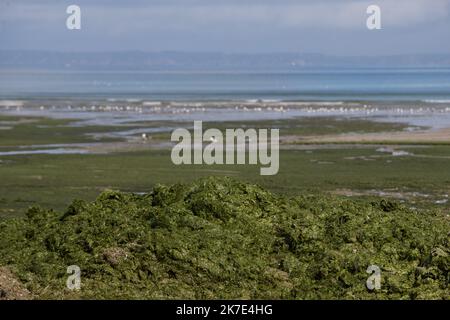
(43, 151)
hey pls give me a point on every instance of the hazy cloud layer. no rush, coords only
(335, 27)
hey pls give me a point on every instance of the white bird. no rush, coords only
(144, 137)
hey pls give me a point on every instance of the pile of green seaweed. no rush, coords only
(219, 238)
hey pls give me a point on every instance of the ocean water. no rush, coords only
(418, 84)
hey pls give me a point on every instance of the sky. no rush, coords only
(334, 27)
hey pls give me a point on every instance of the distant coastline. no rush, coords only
(207, 61)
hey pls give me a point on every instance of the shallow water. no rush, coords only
(435, 116)
(44, 151)
(325, 84)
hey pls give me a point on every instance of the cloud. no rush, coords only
(201, 13)
(217, 24)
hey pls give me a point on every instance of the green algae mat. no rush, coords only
(219, 238)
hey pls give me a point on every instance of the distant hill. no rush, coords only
(203, 61)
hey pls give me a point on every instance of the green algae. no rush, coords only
(218, 238)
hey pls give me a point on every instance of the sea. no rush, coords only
(319, 84)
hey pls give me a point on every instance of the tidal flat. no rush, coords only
(347, 195)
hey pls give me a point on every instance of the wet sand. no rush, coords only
(401, 137)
